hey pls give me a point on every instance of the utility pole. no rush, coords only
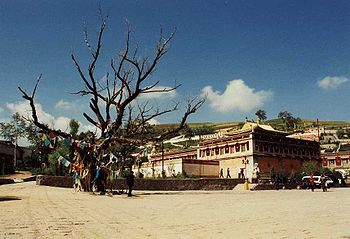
(318, 130)
(162, 148)
(15, 152)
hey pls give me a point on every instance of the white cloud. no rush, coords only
(153, 122)
(160, 95)
(237, 96)
(331, 82)
(62, 123)
(23, 108)
(65, 105)
(84, 128)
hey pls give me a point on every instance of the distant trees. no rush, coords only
(203, 130)
(261, 114)
(14, 129)
(21, 128)
(289, 121)
(74, 127)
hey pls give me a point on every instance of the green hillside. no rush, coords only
(275, 123)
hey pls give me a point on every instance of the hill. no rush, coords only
(275, 123)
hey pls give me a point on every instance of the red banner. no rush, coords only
(325, 162)
(337, 161)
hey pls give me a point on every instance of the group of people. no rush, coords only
(240, 173)
(228, 175)
(95, 177)
(313, 184)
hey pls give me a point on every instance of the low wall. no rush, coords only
(32, 178)
(54, 181)
(6, 181)
(179, 184)
(275, 187)
(150, 184)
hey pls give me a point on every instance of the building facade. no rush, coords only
(339, 160)
(259, 148)
(241, 154)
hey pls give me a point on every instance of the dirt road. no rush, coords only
(47, 212)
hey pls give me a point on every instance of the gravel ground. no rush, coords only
(31, 211)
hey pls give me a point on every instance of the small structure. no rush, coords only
(7, 152)
(184, 162)
(6, 157)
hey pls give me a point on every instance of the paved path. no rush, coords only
(47, 212)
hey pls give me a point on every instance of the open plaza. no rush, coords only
(31, 211)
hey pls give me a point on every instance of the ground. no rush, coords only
(31, 211)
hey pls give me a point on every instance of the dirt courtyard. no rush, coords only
(30, 211)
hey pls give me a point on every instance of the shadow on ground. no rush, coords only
(9, 198)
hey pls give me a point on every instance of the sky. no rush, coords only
(243, 55)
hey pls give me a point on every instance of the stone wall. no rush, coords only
(151, 184)
(6, 181)
(54, 181)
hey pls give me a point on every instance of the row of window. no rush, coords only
(336, 162)
(227, 149)
(283, 149)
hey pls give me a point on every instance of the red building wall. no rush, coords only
(285, 164)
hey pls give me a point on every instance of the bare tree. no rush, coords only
(115, 109)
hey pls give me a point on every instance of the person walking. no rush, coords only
(228, 173)
(130, 182)
(323, 183)
(221, 173)
(312, 182)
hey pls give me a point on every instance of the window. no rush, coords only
(238, 147)
(248, 146)
(243, 147)
(266, 147)
(256, 147)
(331, 162)
(208, 152)
(227, 149)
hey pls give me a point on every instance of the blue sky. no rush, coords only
(244, 55)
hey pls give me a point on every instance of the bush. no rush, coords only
(310, 167)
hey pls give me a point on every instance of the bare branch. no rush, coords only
(36, 121)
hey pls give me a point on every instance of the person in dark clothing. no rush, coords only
(228, 173)
(102, 180)
(222, 173)
(323, 183)
(130, 182)
(242, 173)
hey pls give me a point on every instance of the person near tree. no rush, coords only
(130, 182)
